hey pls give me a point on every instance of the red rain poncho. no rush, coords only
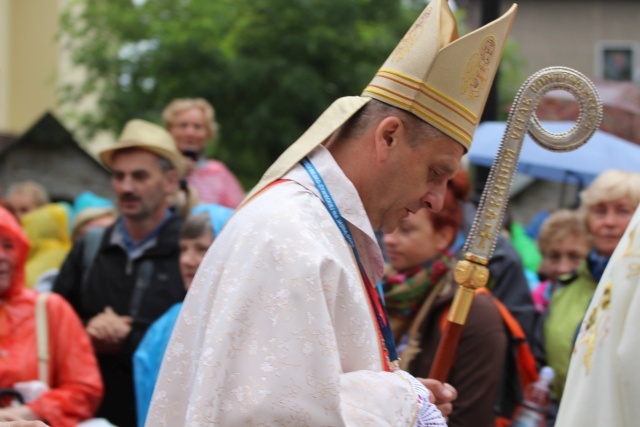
(74, 378)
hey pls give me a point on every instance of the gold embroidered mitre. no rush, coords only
(443, 79)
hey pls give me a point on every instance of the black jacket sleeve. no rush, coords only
(68, 283)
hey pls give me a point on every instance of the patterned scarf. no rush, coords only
(405, 292)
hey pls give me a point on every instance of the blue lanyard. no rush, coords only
(381, 317)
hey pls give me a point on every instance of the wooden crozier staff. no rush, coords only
(472, 272)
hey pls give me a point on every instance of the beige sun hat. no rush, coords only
(145, 136)
(442, 79)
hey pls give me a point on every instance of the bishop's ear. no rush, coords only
(389, 134)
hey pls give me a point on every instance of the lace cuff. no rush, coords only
(428, 413)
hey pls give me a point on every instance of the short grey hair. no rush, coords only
(611, 185)
(374, 111)
(196, 225)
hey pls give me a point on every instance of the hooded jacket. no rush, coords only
(48, 233)
(74, 379)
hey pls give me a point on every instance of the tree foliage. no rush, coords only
(511, 77)
(269, 67)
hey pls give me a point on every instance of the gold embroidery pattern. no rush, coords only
(477, 70)
(596, 323)
(411, 37)
(595, 326)
(634, 270)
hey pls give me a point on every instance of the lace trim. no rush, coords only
(428, 413)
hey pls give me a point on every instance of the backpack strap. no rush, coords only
(42, 335)
(92, 241)
(143, 280)
(502, 422)
(526, 362)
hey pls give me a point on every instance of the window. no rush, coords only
(617, 60)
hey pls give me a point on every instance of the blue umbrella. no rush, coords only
(602, 152)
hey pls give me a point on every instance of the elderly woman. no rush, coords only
(67, 388)
(197, 234)
(192, 123)
(607, 206)
(564, 243)
(418, 293)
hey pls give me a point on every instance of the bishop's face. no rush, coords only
(417, 177)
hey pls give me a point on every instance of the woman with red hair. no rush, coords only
(419, 289)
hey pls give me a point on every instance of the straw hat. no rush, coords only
(145, 136)
(440, 78)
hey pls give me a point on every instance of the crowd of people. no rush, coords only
(109, 271)
(321, 297)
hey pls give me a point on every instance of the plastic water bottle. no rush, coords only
(532, 411)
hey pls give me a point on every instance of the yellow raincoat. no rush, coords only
(48, 233)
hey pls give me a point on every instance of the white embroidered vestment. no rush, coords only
(277, 328)
(603, 384)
